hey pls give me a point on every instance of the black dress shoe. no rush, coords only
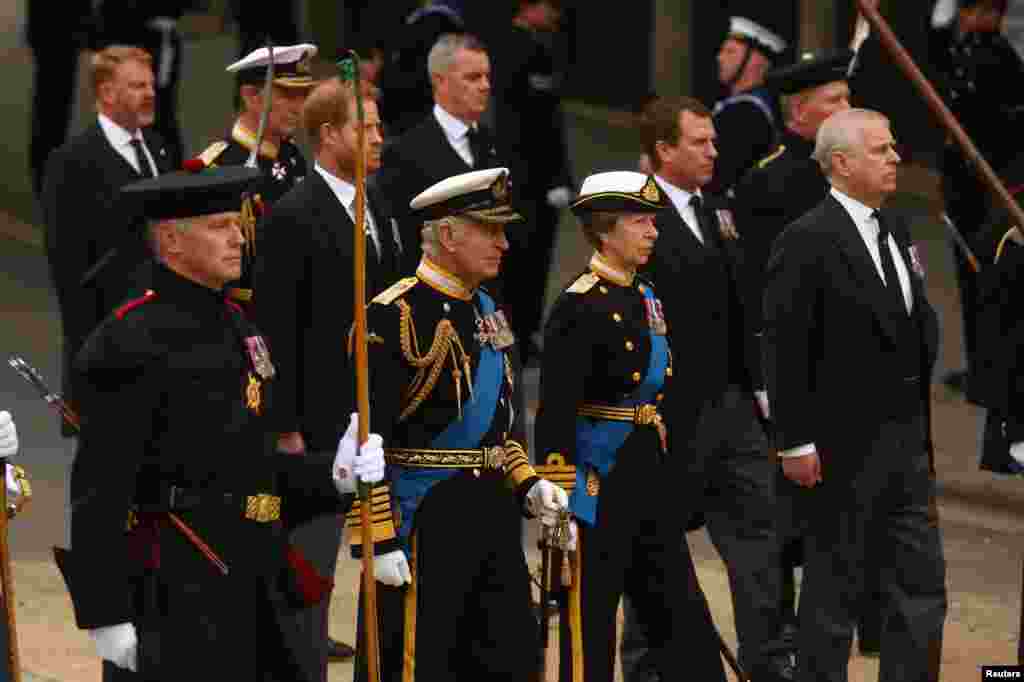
(956, 381)
(339, 651)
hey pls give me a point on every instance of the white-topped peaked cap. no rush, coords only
(753, 32)
(481, 195)
(291, 65)
(619, 192)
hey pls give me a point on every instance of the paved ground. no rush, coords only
(980, 512)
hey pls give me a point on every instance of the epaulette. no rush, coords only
(211, 153)
(388, 296)
(583, 283)
(771, 157)
(134, 303)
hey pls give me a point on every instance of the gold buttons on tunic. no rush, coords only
(660, 397)
(629, 345)
(636, 376)
(617, 317)
(603, 289)
(668, 372)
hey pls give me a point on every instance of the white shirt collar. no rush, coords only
(453, 127)
(679, 196)
(344, 190)
(115, 134)
(861, 213)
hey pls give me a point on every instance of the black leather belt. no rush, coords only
(261, 507)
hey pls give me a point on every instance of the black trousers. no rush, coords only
(473, 615)
(731, 480)
(634, 549)
(223, 628)
(877, 501)
(53, 90)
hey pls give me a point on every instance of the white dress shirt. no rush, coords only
(457, 133)
(121, 140)
(680, 198)
(346, 193)
(867, 226)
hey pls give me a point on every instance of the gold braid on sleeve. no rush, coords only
(446, 344)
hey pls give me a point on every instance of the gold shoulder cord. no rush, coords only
(446, 343)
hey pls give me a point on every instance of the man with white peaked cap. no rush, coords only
(446, 523)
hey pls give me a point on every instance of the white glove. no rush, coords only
(392, 568)
(367, 467)
(117, 644)
(545, 500)
(8, 435)
(1017, 452)
(762, 404)
(570, 546)
(559, 197)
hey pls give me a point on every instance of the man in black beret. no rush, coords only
(180, 502)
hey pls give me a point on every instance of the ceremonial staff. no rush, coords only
(13, 672)
(350, 71)
(946, 118)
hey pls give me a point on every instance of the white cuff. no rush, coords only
(798, 451)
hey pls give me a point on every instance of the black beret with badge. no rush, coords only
(619, 192)
(185, 194)
(481, 195)
(811, 69)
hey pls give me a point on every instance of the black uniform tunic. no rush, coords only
(282, 167)
(176, 390)
(473, 617)
(597, 351)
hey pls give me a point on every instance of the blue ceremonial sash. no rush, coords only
(598, 440)
(409, 485)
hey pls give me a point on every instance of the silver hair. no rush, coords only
(442, 54)
(841, 132)
(431, 233)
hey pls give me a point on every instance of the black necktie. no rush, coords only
(892, 280)
(145, 170)
(477, 147)
(702, 224)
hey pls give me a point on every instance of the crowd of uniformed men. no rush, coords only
(749, 349)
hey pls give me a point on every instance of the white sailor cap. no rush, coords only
(481, 195)
(756, 35)
(291, 66)
(619, 192)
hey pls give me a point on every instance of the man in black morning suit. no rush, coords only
(449, 141)
(94, 236)
(304, 266)
(850, 342)
(721, 450)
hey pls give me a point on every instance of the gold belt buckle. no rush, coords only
(646, 415)
(263, 508)
(494, 457)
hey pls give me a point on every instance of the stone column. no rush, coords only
(671, 47)
(817, 24)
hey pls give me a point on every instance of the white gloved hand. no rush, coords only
(545, 500)
(559, 197)
(570, 546)
(392, 568)
(117, 644)
(367, 467)
(8, 435)
(1017, 452)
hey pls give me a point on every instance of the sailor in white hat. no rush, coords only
(747, 120)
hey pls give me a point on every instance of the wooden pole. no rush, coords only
(939, 108)
(363, 380)
(7, 584)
